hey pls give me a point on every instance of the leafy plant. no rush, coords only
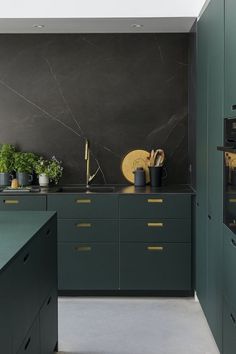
(51, 168)
(25, 161)
(6, 158)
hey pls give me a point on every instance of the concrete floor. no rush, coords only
(133, 326)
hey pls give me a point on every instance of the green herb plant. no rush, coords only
(51, 168)
(6, 158)
(25, 161)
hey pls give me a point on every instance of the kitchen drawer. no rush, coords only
(48, 324)
(31, 343)
(25, 303)
(84, 206)
(155, 206)
(88, 266)
(230, 266)
(155, 230)
(229, 329)
(166, 266)
(20, 202)
(48, 258)
(83, 230)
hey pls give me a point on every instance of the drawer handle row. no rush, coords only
(155, 200)
(27, 343)
(155, 224)
(84, 225)
(155, 248)
(233, 318)
(83, 201)
(233, 242)
(83, 248)
(26, 258)
(11, 201)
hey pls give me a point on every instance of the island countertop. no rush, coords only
(16, 229)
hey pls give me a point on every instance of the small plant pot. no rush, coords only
(43, 180)
(156, 176)
(5, 179)
(24, 179)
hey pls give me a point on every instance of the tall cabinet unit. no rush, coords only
(209, 164)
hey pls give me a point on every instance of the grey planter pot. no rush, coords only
(24, 179)
(5, 179)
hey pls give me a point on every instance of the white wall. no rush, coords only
(99, 8)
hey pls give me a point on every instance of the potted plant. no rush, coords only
(6, 163)
(48, 171)
(24, 163)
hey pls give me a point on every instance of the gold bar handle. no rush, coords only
(155, 248)
(83, 225)
(155, 224)
(232, 200)
(83, 248)
(155, 200)
(11, 201)
(83, 201)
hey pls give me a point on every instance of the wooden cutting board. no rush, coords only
(134, 159)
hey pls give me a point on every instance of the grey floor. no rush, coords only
(133, 326)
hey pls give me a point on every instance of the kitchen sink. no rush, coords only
(84, 189)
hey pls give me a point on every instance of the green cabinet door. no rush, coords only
(6, 314)
(229, 278)
(163, 266)
(48, 324)
(27, 202)
(31, 343)
(90, 266)
(230, 58)
(229, 329)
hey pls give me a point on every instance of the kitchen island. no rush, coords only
(28, 282)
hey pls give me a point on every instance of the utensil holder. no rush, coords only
(156, 176)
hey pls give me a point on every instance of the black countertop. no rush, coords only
(118, 189)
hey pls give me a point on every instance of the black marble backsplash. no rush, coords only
(121, 91)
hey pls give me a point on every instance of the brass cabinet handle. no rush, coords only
(155, 248)
(83, 225)
(232, 200)
(83, 201)
(155, 224)
(83, 248)
(11, 201)
(155, 200)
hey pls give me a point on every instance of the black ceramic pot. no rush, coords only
(156, 176)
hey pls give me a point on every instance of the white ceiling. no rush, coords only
(101, 8)
(93, 16)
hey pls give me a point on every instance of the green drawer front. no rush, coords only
(26, 275)
(5, 313)
(48, 253)
(88, 266)
(84, 206)
(8, 203)
(230, 266)
(229, 329)
(158, 206)
(48, 324)
(155, 267)
(155, 230)
(84, 230)
(31, 343)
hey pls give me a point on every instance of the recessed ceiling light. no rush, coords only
(136, 25)
(38, 26)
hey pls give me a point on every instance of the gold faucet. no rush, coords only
(89, 177)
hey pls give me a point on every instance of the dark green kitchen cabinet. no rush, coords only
(162, 266)
(85, 206)
(230, 59)
(5, 324)
(48, 323)
(22, 202)
(229, 277)
(155, 206)
(90, 266)
(155, 230)
(31, 343)
(229, 329)
(84, 230)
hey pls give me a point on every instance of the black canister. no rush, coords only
(156, 176)
(139, 177)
